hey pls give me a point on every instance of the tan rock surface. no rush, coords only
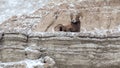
(21, 65)
(69, 50)
(101, 15)
(9, 55)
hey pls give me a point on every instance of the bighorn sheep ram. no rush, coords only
(73, 26)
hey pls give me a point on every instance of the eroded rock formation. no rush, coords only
(22, 42)
(16, 51)
(97, 15)
(69, 50)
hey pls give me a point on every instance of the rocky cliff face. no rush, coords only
(16, 51)
(97, 16)
(23, 40)
(9, 8)
(69, 50)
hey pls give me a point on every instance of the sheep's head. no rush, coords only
(73, 26)
(75, 18)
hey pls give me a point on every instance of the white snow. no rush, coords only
(29, 63)
(31, 49)
(28, 49)
(32, 63)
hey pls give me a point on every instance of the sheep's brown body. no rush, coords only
(74, 25)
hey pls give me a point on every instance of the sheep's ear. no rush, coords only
(71, 16)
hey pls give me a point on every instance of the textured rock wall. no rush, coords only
(16, 51)
(97, 15)
(69, 50)
(83, 50)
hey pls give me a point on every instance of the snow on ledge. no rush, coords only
(29, 63)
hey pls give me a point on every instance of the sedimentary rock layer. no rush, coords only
(69, 50)
(96, 15)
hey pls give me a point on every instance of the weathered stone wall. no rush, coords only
(83, 50)
(96, 14)
(69, 50)
(16, 51)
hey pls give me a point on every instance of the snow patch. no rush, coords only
(32, 63)
(29, 63)
(31, 49)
